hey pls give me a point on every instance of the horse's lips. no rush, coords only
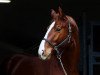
(45, 57)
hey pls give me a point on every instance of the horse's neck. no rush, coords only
(70, 57)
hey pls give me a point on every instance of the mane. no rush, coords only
(72, 21)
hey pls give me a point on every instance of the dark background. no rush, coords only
(23, 24)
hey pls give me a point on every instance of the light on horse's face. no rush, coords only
(45, 52)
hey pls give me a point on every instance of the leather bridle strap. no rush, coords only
(59, 58)
(49, 42)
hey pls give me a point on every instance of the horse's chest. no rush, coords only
(55, 69)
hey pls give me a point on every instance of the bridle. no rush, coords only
(56, 48)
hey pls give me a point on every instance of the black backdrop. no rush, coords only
(23, 23)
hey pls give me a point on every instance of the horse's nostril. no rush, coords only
(43, 52)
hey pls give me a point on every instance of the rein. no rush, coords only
(56, 48)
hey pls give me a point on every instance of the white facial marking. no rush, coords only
(42, 44)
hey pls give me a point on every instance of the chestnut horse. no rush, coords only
(58, 51)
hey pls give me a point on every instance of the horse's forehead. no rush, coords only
(59, 22)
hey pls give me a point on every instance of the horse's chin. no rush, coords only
(42, 57)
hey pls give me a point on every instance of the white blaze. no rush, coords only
(42, 44)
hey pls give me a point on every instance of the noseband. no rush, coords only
(56, 48)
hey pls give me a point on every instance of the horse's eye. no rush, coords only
(58, 29)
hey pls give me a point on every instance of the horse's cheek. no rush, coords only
(56, 38)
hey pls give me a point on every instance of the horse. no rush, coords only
(59, 51)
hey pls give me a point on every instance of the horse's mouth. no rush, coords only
(45, 57)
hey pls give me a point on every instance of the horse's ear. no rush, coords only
(60, 11)
(53, 14)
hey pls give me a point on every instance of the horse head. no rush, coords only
(56, 35)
